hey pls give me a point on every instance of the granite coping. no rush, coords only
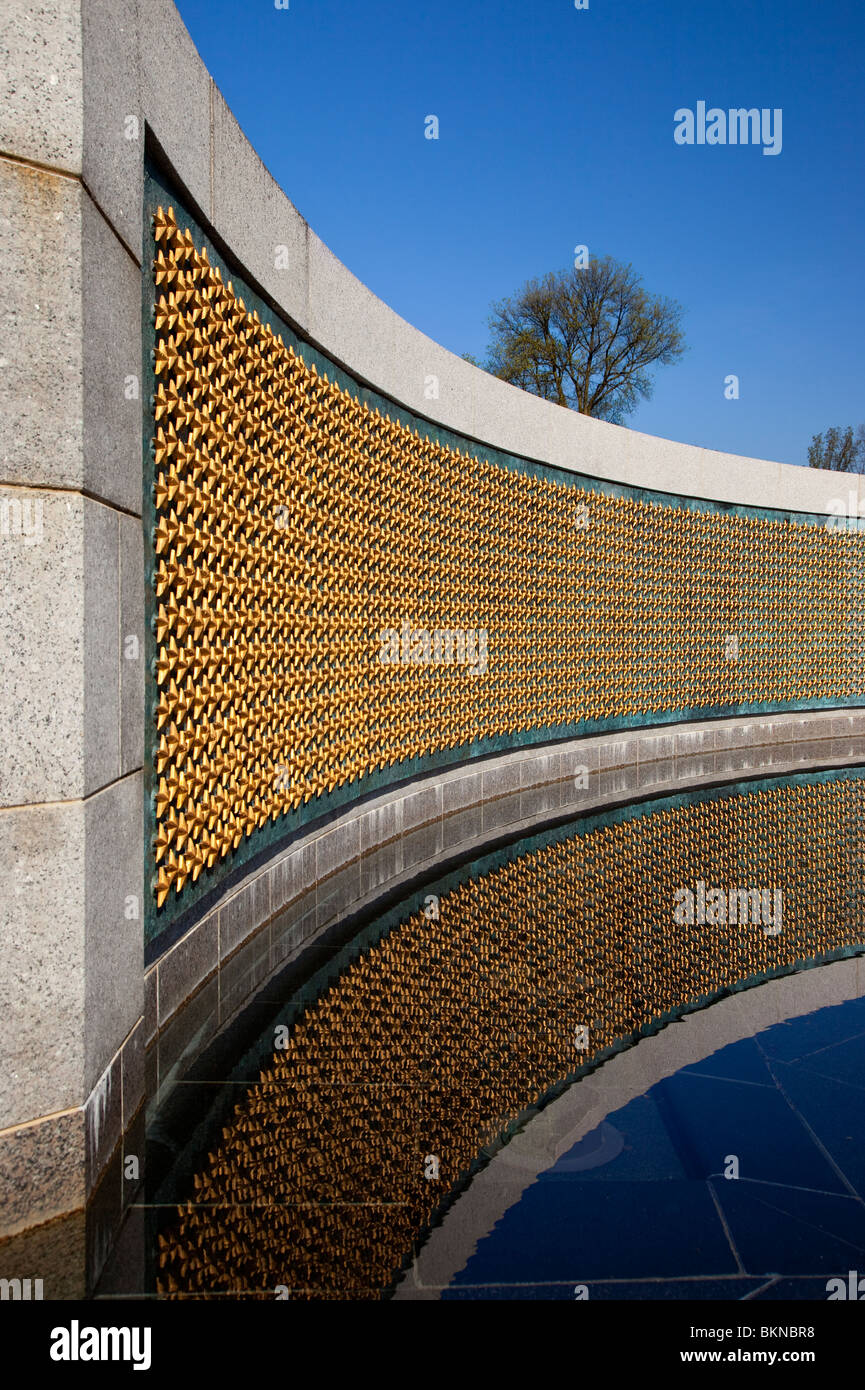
(401, 836)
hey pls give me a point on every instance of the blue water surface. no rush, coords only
(642, 1207)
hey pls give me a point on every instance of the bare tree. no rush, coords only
(838, 449)
(585, 338)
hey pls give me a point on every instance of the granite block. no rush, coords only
(103, 1121)
(42, 1170)
(187, 965)
(337, 847)
(244, 912)
(131, 644)
(113, 119)
(132, 1072)
(292, 875)
(41, 82)
(380, 824)
(42, 376)
(42, 630)
(42, 962)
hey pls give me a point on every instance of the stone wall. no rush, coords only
(88, 90)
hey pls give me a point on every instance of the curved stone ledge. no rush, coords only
(382, 845)
(149, 65)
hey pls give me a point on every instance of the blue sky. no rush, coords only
(556, 129)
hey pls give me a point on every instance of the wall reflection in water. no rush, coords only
(402, 1068)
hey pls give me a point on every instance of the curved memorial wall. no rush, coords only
(304, 609)
(344, 596)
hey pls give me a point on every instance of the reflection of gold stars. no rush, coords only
(444, 1032)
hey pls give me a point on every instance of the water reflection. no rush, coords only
(740, 1176)
(379, 1086)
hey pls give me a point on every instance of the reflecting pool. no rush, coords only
(741, 1176)
(534, 1076)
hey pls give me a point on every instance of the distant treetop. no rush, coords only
(839, 449)
(584, 338)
